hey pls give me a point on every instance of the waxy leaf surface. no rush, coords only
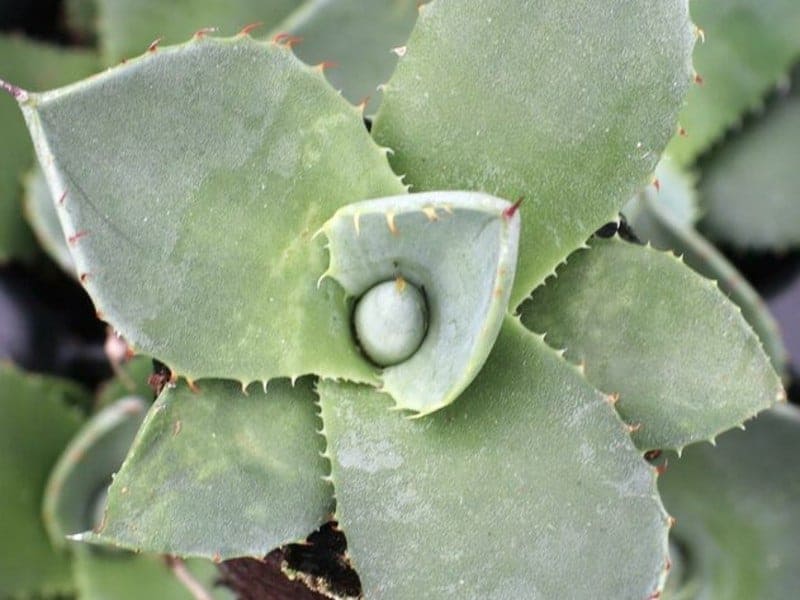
(567, 104)
(195, 177)
(685, 363)
(530, 472)
(220, 474)
(460, 249)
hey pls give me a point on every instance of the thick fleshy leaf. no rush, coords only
(36, 422)
(127, 27)
(566, 104)
(460, 249)
(659, 217)
(85, 468)
(358, 36)
(685, 363)
(40, 212)
(220, 474)
(738, 511)
(751, 188)
(194, 235)
(529, 476)
(750, 47)
(101, 576)
(33, 66)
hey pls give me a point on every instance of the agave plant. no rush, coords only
(369, 325)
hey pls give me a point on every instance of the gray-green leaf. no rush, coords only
(738, 511)
(193, 235)
(220, 474)
(567, 104)
(530, 475)
(683, 360)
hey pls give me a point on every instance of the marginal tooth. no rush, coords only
(390, 222)
(430, 212)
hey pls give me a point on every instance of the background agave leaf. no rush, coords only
(683, 360)
(206, 260)
(529, 470)
(750, 189)
(358, 36)
(478, 102)
(750, 47)
(36, 422)
(220, 474)
(738, 512)
(127, 27)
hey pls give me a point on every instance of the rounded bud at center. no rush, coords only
(390, 321)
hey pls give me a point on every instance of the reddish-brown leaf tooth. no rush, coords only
(512, 210)
(201, 33)
(154, 44)
(17, 92)
(248, 29)
(62, 197)
(73, 239)
(657, 184)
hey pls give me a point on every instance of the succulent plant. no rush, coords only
(412, 330)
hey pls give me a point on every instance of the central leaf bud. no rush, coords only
(390, 321)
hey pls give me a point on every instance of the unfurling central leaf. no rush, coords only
(459, 249)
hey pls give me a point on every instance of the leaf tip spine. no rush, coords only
(16, 92)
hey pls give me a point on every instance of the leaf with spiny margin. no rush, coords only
(194, 234)
(86, 467)
(220, 474)
(100, 576)
(531, 470)
(358, 36)
(36, 66)
(40, 212)
(683, 360)
(36, 422)
(738, 511)
(659, 217)
(127, 27)
(567, 104)
(751, 46)
(461, 249)
(750, 190)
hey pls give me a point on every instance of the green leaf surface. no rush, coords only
(40, 213)
(103, 576)
(685, 363)
(85, 468)
(219, 474)
(127, 27)
(357, 36)
(750, 47)
(514, 491)
(460, 248)
(751, 188)
(33, 66)
(36, 422)
(194, 235)
(566, 104)
(659, 218)
(738, 511)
